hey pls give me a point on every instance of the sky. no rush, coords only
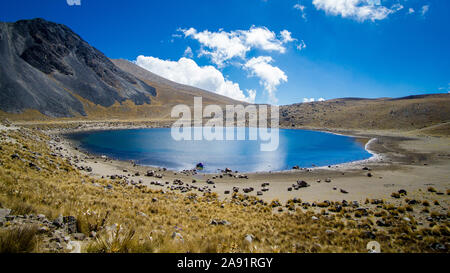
(268, 51)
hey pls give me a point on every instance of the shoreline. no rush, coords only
(392, 167)
(375, 158)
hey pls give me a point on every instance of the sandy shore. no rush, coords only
(411, 163)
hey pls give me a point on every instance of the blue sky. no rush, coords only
(269, 51)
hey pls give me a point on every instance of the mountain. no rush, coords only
(423, 113)
(47, 67)
(49, 71)
(169, 92)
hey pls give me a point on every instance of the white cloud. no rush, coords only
(360, 10)
(186, 71)
(306, 100)
(301, 45)
(301, 8)
(424, 9)
(411, 11)
(263, 38)
(222, 46)
(74, 2)
(188, 52)
(270, 76)
(397, 7)
(286, 36)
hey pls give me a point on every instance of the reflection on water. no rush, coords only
(155, 147)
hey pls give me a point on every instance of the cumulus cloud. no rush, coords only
(263, 38)
(222, 46)
(301, 8)
(270, 76)
(286, 36)
(411, 11)
(186, 71)
(360, 10)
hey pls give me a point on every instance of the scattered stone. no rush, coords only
(79, 236)
(177, 236)
(302, 184)
(249, 238)
(369, 235)
(142, 214)
(395, 195)
(59, 221)
(4, 213)
(438, 247)
(71, 223)
(382, 223)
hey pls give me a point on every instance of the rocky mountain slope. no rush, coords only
(47, 67)
(169, 92)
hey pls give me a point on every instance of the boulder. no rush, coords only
(4, 213)
(71, 223)
(79, 236)
(249, 238)
(302, 184)
(59, 221)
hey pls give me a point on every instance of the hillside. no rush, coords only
(426, 113)
(169, 92)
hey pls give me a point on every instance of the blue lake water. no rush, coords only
(156, 147)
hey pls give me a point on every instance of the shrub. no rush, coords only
(119, 240)
(18, 240)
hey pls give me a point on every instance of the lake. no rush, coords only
(156, 147)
